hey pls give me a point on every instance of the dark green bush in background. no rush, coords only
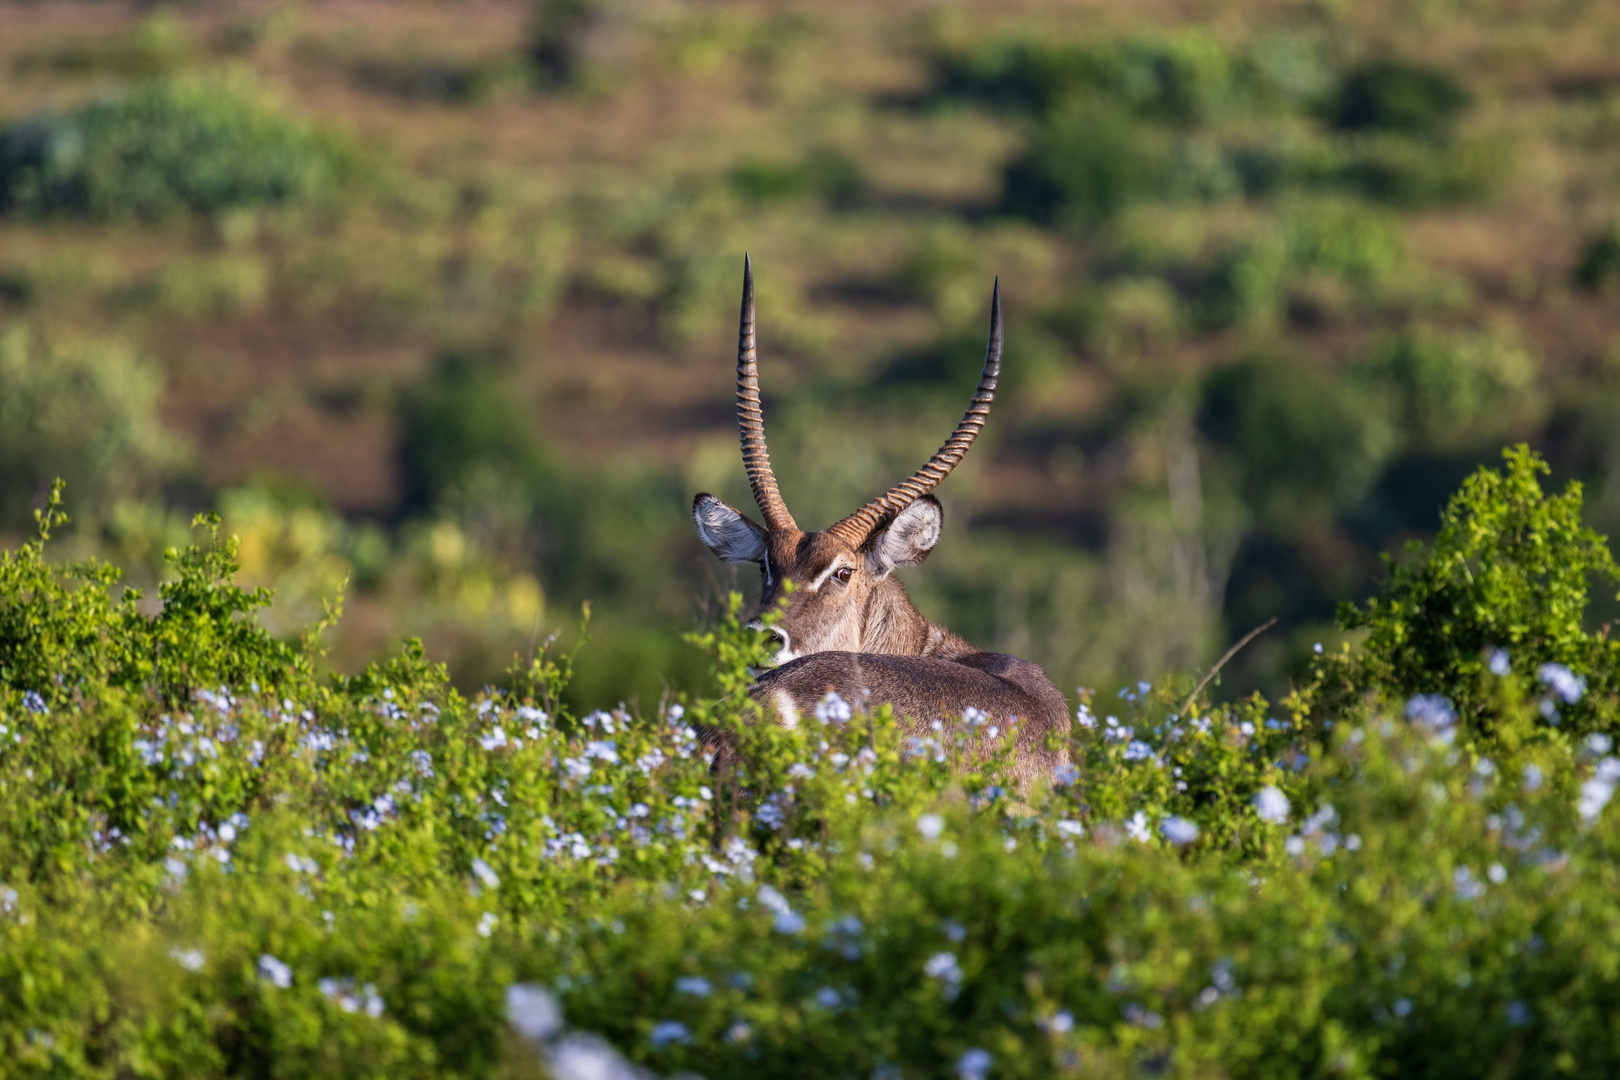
(164, 147)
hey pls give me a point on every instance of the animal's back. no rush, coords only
(924, 689)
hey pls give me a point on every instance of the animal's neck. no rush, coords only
(893, 625)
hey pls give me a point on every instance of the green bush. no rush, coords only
(1394, 95)
(1447, 388)
(1305, 444)
(214, 862)
(167, 146)
(1599, 266)
(1083, 166)
(1183, 77)
(1503, 589)
(826, 173)
(86, 411)
(465, 444)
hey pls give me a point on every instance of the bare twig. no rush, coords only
(1233, 651)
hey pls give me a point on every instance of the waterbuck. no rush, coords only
(849, 626)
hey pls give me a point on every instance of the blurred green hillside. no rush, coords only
(439, 300)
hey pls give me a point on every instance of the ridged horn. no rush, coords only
(751, 419)
(858, 526)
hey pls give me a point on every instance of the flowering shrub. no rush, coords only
(1501, 595)
(214, 861)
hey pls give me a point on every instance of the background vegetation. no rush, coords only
(437, 300)
(215, 861)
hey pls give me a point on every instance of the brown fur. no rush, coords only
(866, 640)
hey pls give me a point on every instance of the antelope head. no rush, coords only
(843, 594)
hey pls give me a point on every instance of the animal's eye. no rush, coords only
(844, 574)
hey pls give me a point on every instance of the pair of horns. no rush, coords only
(858, 526)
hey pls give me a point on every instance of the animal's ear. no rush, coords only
(732, 537)
(907, 540)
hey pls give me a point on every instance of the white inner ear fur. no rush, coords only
(909, 537)
(732, 537)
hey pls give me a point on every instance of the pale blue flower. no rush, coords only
(1434, 711)
(1178, 830)
(974, 1065)
(832, 709)
(274, 972)
(1564, 683)
(482, 871)
(1271, 805)
(532, 1011)
(668, 1032)
(1500, 663)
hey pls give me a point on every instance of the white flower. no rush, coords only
(532, 1011)
(1073, 830)
(1137, 827)
(274, 971)
(486, 924)
(1497, 873)
(190, 959)
(1271, 805)
(494, 740)
(1500, 663)
(1060, 1022)
(930, 825)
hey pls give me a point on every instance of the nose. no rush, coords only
(778, 635)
